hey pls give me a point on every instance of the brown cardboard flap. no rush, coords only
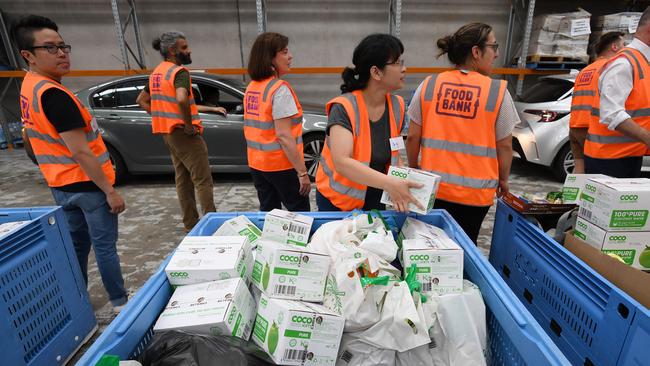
(634, 282)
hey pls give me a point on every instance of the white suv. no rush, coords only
(542, 137)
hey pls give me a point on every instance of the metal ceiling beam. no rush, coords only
(394, 17)
(260, 8)
(120, 31)
(525, 43)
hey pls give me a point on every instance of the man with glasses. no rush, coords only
(70, 151)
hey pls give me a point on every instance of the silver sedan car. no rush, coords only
(542, 137)
(126, 128)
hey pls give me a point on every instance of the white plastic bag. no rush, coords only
(345, 294)
(402, 324)
(355, 352)
(459, 331)
(358, 232)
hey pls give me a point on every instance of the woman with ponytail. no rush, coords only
(461, 126)
(354, 162)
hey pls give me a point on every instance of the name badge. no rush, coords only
(397, 143)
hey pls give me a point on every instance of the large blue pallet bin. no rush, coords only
(591, 320)
(45, 313)
(514, 336)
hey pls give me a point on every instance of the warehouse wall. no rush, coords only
(322, 33)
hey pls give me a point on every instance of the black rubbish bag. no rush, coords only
(183, 349)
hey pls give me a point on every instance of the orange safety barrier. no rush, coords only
(295, 70)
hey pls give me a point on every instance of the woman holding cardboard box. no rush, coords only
(461, 124)
(352, 171)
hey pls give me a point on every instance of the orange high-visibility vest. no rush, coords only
(602, 143)
(585, 102)
(264, 151)
(165, 110)
(345, 193)
(53, 156)
(459, 113)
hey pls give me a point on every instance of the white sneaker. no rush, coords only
(118, 308)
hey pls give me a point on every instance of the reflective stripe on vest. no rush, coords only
(165, 109)
(338, 189)
(603, 143)
(458, 139)
(263, 149)
(51, 153)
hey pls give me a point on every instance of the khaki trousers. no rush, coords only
(190, 158)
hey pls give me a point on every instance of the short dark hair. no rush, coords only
(22, 30)
(606, 40)
(374, 50)
(458, 46)
(265, 47)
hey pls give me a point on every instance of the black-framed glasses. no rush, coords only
(53, 49)
(399, 63)
(494, 46)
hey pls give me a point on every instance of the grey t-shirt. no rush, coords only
(506, 119)
(380, 147)
(283, 103)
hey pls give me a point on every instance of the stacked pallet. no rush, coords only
(620, 22)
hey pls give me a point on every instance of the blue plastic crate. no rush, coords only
(45, 313)
(514, 336)
(592, 321)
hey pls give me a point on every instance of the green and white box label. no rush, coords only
(295, 333)
(287, 227)
(212, 308)
(289, 272)
(439, 264)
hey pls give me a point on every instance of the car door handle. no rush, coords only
(113, 117)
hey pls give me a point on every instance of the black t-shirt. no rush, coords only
(64, 115)
(380, 147)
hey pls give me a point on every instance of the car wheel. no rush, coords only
(118, 165)
(313, 146)
(564, 163)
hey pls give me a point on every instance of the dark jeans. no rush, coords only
(618, 168)
(91, 223)
(277, 188)
(469, 218)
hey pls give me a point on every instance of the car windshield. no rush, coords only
(546, 90)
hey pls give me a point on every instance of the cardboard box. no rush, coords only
(527, 207)
(633, 247)
(213, 308)
(634, 282)
(290, 272)
(426, 195)
(416, 229)
(209, 258)
(439, 264)
(242, 226)
(616, 204)
(287, 227)
(294, 333)
(621, 22)
(573, 185)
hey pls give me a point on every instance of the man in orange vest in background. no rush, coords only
(70, 151)
(586, 103)
(174, 114)
(617, 144)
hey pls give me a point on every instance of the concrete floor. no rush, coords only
(151, 225)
